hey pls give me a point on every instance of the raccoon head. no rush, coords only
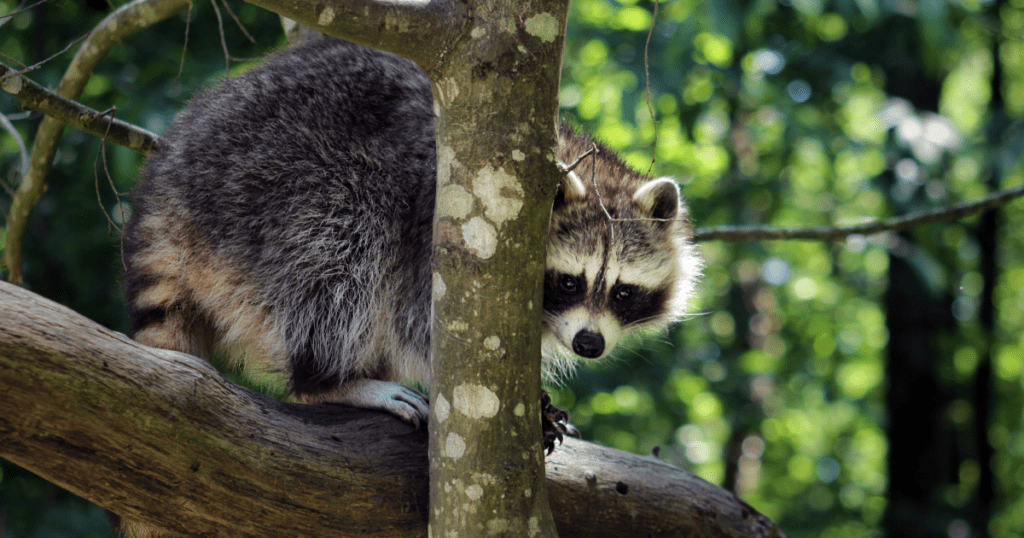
(619, 259)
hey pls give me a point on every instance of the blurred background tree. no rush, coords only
(857, 388)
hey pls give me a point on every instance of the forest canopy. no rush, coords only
(845, 388)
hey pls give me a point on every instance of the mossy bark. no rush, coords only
(496, 110)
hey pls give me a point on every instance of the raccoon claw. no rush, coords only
(557, 431)
(415, 401)
(555, 423)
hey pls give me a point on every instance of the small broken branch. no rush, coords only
(102, 124)
(565, 169)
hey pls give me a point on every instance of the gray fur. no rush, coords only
(313, 174)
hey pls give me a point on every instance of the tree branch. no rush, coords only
(163, 437)
(420, 30)
(829, 233)
(125, 21)
(37, 98)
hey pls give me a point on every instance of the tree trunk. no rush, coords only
(496, 101)
(920, 460)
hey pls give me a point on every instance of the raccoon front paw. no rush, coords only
(554, 422)
(405, 403)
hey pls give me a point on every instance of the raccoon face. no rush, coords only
(615, 261)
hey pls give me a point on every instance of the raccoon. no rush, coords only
(285, 223)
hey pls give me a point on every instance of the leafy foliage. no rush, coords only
(787, 112)
(810, 113)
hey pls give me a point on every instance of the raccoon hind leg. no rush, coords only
(162, 311)
(162, 305)
(314, 381)
(177, 326)
(360, 375)
(185, 295)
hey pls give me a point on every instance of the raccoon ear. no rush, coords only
(570, 190)
(659, 198)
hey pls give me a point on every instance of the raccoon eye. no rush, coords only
(623, 292)
(563, 291)
(569, 284)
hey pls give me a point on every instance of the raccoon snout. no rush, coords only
(588, 344)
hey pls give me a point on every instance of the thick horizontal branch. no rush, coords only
(836, 233)
(416, 29)
(37, 98)
(163, 437)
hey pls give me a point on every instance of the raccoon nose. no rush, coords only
(588, 344)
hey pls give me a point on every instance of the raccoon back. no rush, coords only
(286, 219)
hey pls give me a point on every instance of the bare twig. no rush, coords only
(569, 168)
(6, 18)
(106, 170)
(647, 77)
(42, 62)
(184, 46)
(238, 22)
(836, 233)
(223, 39)
(22, 150)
